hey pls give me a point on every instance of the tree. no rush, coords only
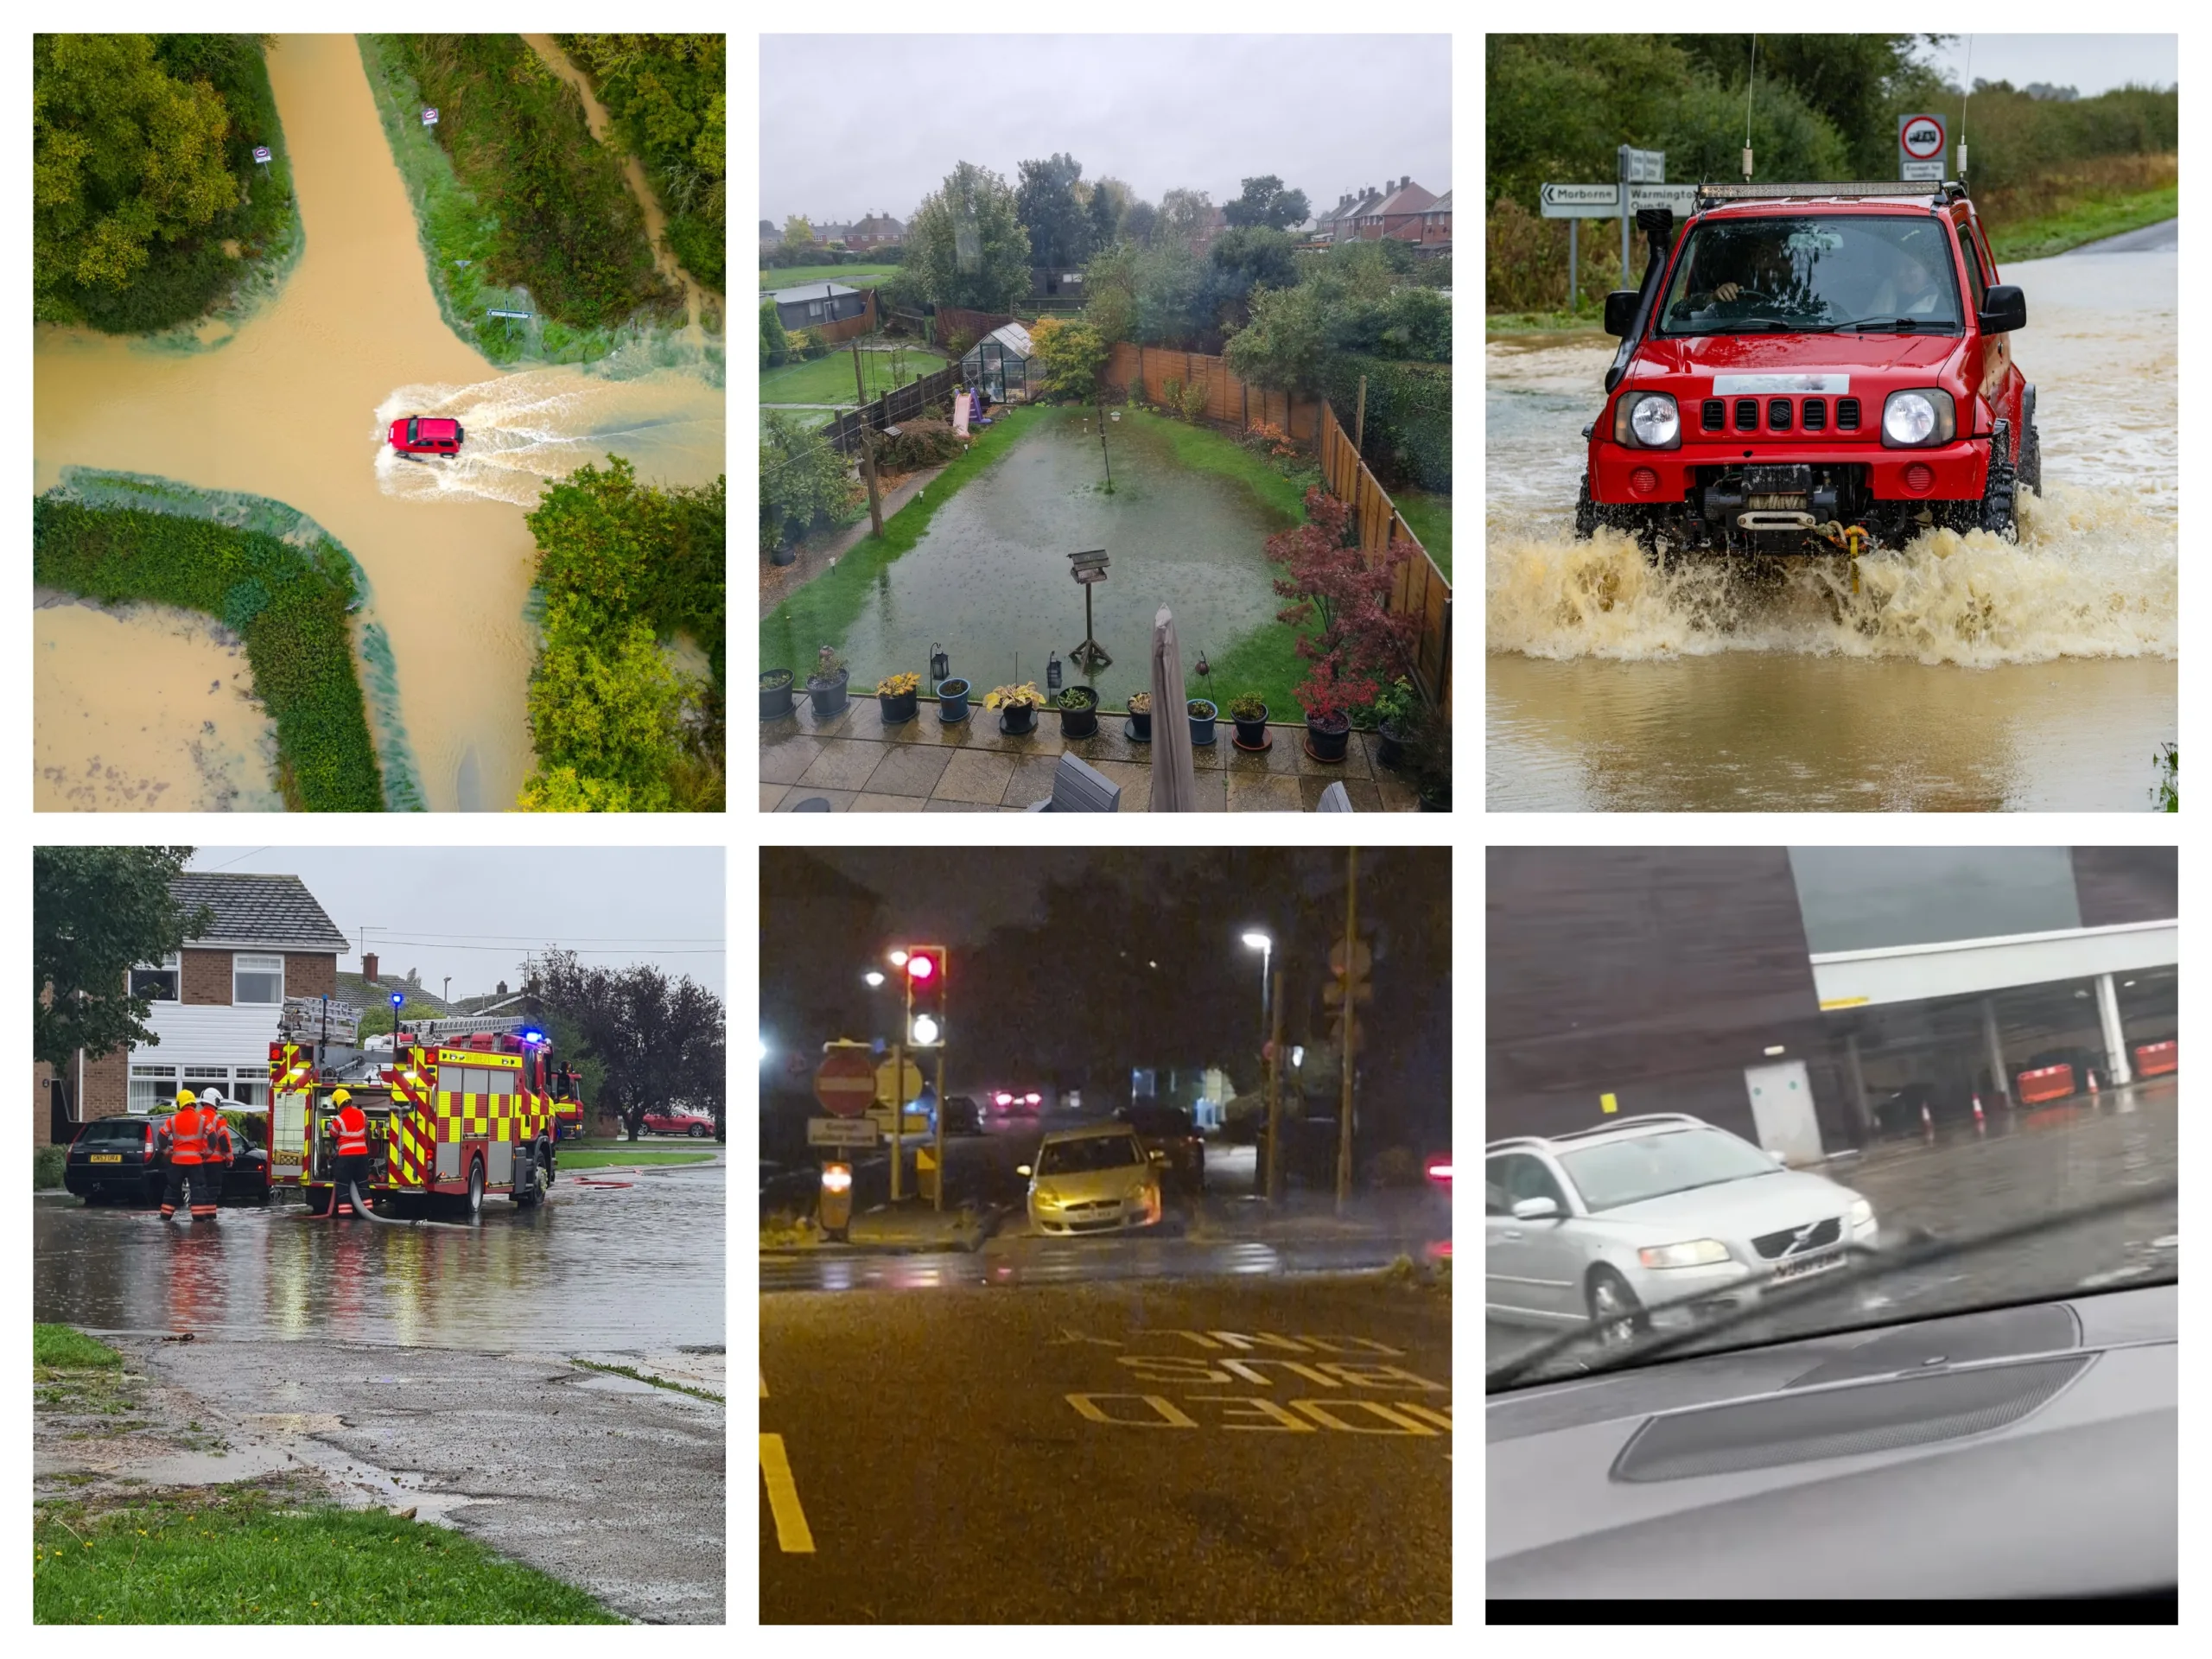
(1183, 215)
(1110, 290)
(775, 345)
(659, 1042)
(1170, 295)
(604, 701)
(1285, 348)
(603, 539)
(1265, 202)
(802, 480)
(124, 154)
(1109, 200)
(1137, 222)
(1059, 232)
(1072, 354)
(967, 245)
(1244, 260)
(798, 233)
(97, 913)
(1361, 644)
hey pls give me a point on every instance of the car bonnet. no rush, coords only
(1757, 1204)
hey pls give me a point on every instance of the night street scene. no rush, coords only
(1075, 1272)
(1830, 1191)
(331, 1329)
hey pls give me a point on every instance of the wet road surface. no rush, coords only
(2029, 1163)
(631, 1266)
(1966, 674)
(1237, 1452)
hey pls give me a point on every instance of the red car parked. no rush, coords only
(1813, 368)
(689, 1123)
(418, 435)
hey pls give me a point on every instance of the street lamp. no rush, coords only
(872, 978)
(898, 958)
(397, 997)
(1266, 946)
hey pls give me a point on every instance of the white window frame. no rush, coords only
(140, 1102)
(244, 963)
(814, 307)
(172, 964)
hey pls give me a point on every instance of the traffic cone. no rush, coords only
(1980, 1126)
(1927, 1123)
(2093, 1085)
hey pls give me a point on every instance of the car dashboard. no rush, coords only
(2024, 1451)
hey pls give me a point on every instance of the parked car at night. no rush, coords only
(1097, 1180)
(688, 1123)
(119, 1160)
(1172, 1130)
(1663, 1211)
(962, 1116)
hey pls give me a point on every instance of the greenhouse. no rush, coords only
(999, 363)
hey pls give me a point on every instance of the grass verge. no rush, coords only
(2092, 221)
(648, 1377)
(276, 1553)
(289, 599)
(570, 1160)
(1429, 516)
(828, 605)
(63, 1347)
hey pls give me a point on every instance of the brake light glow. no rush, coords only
(1440, 1169)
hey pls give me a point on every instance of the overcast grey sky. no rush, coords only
(852, 125)
(476, 912)
(2088, 63)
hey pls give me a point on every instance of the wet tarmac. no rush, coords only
(1964, 673)
(2025, 1165)
(601, 1266)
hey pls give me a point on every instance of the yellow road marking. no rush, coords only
(783, 1498)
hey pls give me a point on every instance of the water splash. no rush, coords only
(2093, 574)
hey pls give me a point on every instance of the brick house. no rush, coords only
(874, 232)
(215, 1004)
(1397, 215)
(1436, 223)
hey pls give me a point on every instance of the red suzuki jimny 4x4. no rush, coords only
(1813, 368)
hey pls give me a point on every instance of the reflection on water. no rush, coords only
(990, 576)
(284, 411)
(166, 722)
(1963, 671)
(596, 1268)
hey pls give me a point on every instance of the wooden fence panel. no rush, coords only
(1144, 371)
(1420, 588)
(901, 403)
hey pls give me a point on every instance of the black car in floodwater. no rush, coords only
(1171, 1129)
(119, 1160)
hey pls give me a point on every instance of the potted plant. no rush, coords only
(951, 702)
(776, 692)
(1428, 766)
(1141, 716)
(1017, 706)
(1397, 700)
(1328, 703)
(1078, 707)
(1202, 715)
(896, 698)
(1334, 584)
(826, 684)
(1250, 714)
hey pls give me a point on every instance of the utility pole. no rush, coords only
(1359, 420)
(899, 1082)
(874, 505)
(1350, 1027)
(1274, 1100)
(940, 1122)
(1109, 459)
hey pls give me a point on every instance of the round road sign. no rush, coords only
(1922, 138)
(845, 1082)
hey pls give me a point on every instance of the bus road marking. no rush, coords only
(792, 1533)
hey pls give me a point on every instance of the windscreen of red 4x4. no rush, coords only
(1813, 272)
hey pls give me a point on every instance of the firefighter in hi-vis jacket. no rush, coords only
(186, 1138)
(351, 1125)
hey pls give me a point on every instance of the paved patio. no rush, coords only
(857, 764)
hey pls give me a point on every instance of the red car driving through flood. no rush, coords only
(419, 434)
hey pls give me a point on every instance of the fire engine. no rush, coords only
(458, 1109)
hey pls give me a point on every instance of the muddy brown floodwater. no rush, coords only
(293, 407)
(1967, 673)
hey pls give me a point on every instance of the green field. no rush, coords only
(850, 276)
(830, 380)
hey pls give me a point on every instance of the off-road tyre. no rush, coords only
(1586, 512)
(2031, 467)
(1998, 500)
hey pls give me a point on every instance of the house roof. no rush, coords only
(878, 223)
(258, 910)
(811, 291)
(367, 992)
(1408, 198)
(1441, 205)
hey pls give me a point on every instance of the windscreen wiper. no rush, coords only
(1822, 1285)
(1889, 325)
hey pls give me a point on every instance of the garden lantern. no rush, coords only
(1052, 672)
(940, 667)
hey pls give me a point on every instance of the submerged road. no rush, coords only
(1241, 1452)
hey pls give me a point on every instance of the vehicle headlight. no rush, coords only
(1925, 416)
(1648, 420)
(1693, 1253)
(1862, 1213)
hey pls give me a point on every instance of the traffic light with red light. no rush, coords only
(926, 993)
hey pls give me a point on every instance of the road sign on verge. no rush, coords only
(261, 154)
(845, 1082)
(1682, 198)
(429, 117)
(1643, 166)
(1921, 144)
(887, 1081)
(1580, 200)
(840, 1132)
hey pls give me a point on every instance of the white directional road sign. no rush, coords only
(840, 1132)
(1682, 198)
(1580, 200)
(1643, 166)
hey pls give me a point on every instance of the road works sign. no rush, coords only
(845, 1082)
(840, 1132)
(1922, 140)
(1580, 200)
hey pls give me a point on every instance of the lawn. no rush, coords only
(850, 276)
(830, 380)
(568, 1158)
(2040, 238)
(1429, 516)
